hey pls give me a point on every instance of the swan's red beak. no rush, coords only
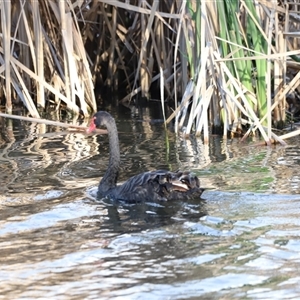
(92, 126)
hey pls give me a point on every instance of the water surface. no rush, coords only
(58, 241)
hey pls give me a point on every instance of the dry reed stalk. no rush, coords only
(207, 90)
(5, 7)
(178, 41)
(164, 55)
(142, 64)
(268, 75)
(112, 67)
(61, 15)
(38, 40)
(144, 54)
(49, 122)
(162, 98)
(280, 69)
(290, 134)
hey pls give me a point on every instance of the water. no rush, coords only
(59, 242)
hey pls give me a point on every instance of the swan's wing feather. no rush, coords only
(159, 185)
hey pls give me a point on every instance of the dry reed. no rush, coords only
(45, 59)
(224, 63)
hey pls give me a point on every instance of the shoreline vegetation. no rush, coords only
(229, 64)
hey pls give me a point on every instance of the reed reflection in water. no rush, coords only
(59, 241)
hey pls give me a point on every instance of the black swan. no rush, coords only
(157, 185)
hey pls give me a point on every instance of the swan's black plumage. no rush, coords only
(157, 185)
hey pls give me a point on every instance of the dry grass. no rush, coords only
(229, 64)
(44, 57)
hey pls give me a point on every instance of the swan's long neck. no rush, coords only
(110, 177)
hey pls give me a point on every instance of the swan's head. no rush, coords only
(99, 119)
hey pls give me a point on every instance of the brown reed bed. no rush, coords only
(229, 64)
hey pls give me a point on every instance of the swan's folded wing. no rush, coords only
(158, 185)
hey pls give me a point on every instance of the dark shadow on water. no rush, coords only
(123, 217)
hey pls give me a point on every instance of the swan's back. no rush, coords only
(157, 185)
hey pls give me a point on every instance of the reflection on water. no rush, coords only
(58, 241)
